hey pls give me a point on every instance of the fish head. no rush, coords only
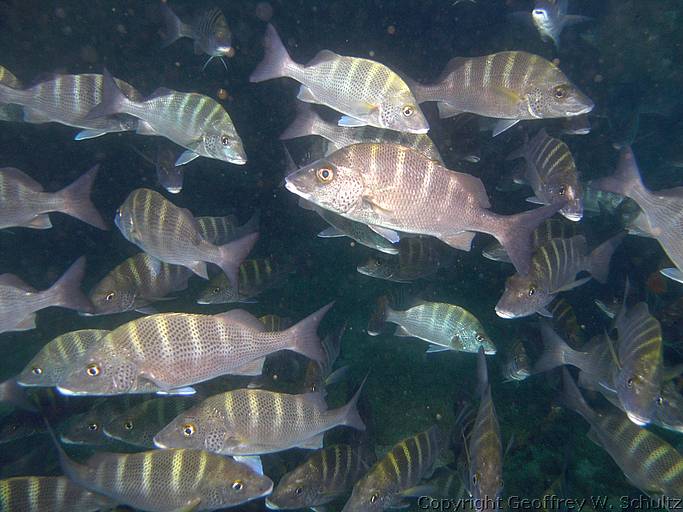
(485, 486)
(300, 488)
(368, 495)
(377, 266)
(669, 409)
(101, 372)
(569, 191)
(555, 96)
(85, 429)
(545, 16)
(638, 388)
(125, 221)
(128, 428)
(200, 429)
(235, 484)
(522, 297)
(221, 142)
(218, 294)
(219, 42)
(109, 298)
(476, 337)
(40, 371)
(332, 185)
(403, 114)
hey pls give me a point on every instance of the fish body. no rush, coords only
(256, 422)
(544, 233)
(308, 122)
(221, 230)
(172, 234)
(417, 258)
(393, 188)
(136, 283)
(564, 319)
(191, 120)
(53, 493)
(87, 428)
(169, 175)
(365, 91)
(10, 112)
(396, 475)
(168, 352)
(48, 366)
(326, 475)
(320, 375)
(255, 277)
(163, 480)
(67, 99)
(517, 366)
(662, 210)
(553, 270)
(599, 201)
(550, 18)
(551, 172)
(19, 425)
(19, 302)
(444, 326)
(23, 203)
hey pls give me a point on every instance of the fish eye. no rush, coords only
(37, 370)
(110, 296)
(373, 498)
(225, 140)
(128, 425)
(408, 110)
(378, 262)
(479, 337)
(561, 190)
(298, 490)
(237, 485)
(660, 400)
(93, 426)
(216, 289)
(188, 430)
(325, 174)
(93, 370)
(532, 290)
(629, 382)
(560, 92)
(475, 478)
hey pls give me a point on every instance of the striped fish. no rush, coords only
(168, 352)
(365, 91)
(169, 175)
(163, 480)
(48, 493)
(565, 321)
(516, 366)
(275, 323)
(320, 375)
(255, 277)
(443, 326)
(49, 365)
(10, 112)
(221, 230)
(23, 203)
(404, 191)
(326, 475)
(553, 269)
(397, 474)
(447, 484)
(552, 174)
(171, 234)
(418, 257)
(257, 422)
(87, 428)
(139, 424)
(191, 120)
(136, 283)
(19, 302)
(663, 210)
(19, 425)
(647, 461)
(546, 231)
(485, 447)
(510, 86)
(598, 201)
(67, 99)
(308, 122)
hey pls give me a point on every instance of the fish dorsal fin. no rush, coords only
(243, 318)
(612, 351)
(322, 56)
(15, 282)
(160, 91)
(20, 176)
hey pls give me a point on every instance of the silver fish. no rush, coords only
(255, 422)
(67, 99)
(516, 366)
(19, 301)
(221, 230)
(172, 235)
(169, 175)
(193, 121)
(168, 352)
(418, 257)
(394, 188)
(662, 210)
(24, 204)
(365, 91)
(10, 112)
(550, 18)
(53, 493)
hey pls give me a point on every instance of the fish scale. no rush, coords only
(53, 493)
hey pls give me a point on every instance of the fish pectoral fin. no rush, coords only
(418, 490)
(572, 285)
(461, 241)
(89, 134)
(387, 233)
(313, 443)
(186, 157)
(612, 350)
(27, 323)
(447, 110)
(330, 232)
(306, 95)
(435, 348)
(544, 312)
(350, 122)
(41, 221)
(534, 200)
(190, 506)
(376, 204)
(253, 461)
(672, 273)
(185, 391)
(144, 128)
(503, 125)
(402, 333)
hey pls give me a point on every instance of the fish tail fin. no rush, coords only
(231, 256)
(276, 60)
(516, 236)
(601, 256)
(305, 123)
(482, 372)
(625, 179)
(556, 352)
(174, 29)
(304, 336)
(252, 225)
(349, 413)
(572, 398)
(77, 203)
(113, 99)
(378, 319)
(67, 289)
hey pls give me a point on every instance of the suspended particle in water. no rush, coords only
(222, 94)
(391, 30)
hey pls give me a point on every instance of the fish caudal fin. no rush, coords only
(304, 336)
(304, 124)
(516, 235)
(67, 292)
(275, 61)
(231, 256)
(555, 351)
(174, 29)
(626, 177)
(601, 256)
(77, 203)
(349, 413)
(113, 99)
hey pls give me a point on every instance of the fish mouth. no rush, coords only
(70, 392)
(289, 185)
(574, 217)
(160, 444)
(174, 190)
(504, 314)
(638, 420)
(271, 505)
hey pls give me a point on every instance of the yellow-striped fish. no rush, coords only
(397, 475)
(49, 493)
(221, 230)
(417, 257)
(10, 112)
(566, 322)
(365, 91)
(516, 366)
